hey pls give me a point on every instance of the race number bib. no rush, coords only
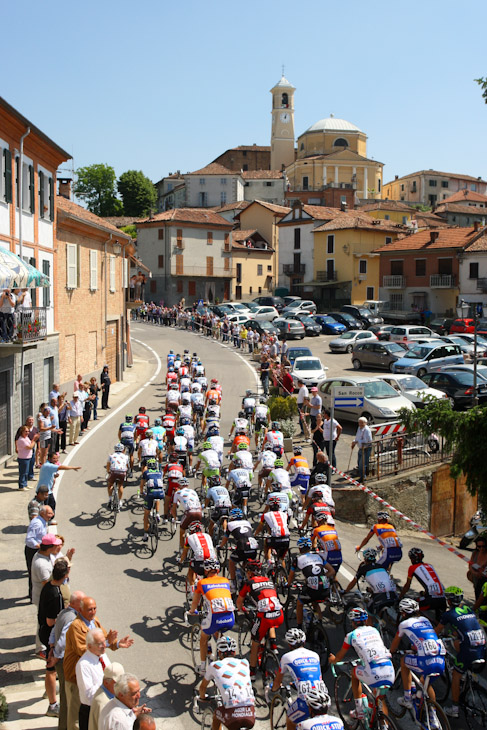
(476, 637)
(222, 605)
(430, 647)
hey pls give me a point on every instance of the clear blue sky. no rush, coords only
(160, 86)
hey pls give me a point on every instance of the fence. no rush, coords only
(400, 452)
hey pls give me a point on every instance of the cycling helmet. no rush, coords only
(183, 482)
(185, 421)
(279, 463)
(304, 543)
(179, 432)
(212, 402)
(241, 414)
(248, 392)
(274, 503)
(213, 430)
(383, 515)
(186, 352)
(206, 446)
(358, 615)
(142, 409)
(243, 446)
(317, 496)
(214, 381)
(158, 422)
(171, 352)
(297, 450)
(195, 354)
(275, 425)
(262, 400)
(128, 417)
(322, 517)
(369, 555)
(408, 605)
(211, 564)
(226, 645)
(173, 386)
(295, 637)
(255, 566)
(214, 481)
(195, 527)
(172, 458)
(119, 447)
(149, 433)
(267, 446)
(320, 479)
(151, 464)
(454, 595)
(170, 369)
(318, 700)
(236, 514)
(416, 555)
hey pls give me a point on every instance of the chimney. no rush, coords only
(65, 187)
(396, 177)
(476, 226)
(433, 236)
(343, 206)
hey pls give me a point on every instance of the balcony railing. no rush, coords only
(25, 325)
(394, 282)
(290, 269)
(326, 275)
(442, 281)
(219, 272)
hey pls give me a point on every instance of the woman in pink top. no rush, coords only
(24, 447)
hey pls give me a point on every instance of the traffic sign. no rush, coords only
(349, 396)
(200, 302)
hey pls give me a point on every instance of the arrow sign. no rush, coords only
(350, 396)
(355, 402)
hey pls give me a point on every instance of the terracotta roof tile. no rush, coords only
(213, 169)
(447, 207)
(388, 205)
(465, 196)
(77, 211)
(188, 215)
(446, 238)
(121, 220)
(321, 212)
(262, 174)
(240, 205)
(430, 220)
(280, 209)
(436, 172)
(356, 219)
(480, 244)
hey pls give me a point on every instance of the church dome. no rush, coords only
(333, 124)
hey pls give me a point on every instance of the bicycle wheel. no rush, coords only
(153, 534)
(244, 637)
(384, 722)
(280, 582)
(344, 699)
(278, 713)
(395, 692)
(207, 719)
(474, 705)
(173, 526)
(290, 613)
(195, 645)
(335, 608)
(222, 555)
(442, 684)
(318, 641)
(269, 665)
(427, 708)
(115, 505)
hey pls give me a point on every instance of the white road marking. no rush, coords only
(346, 573)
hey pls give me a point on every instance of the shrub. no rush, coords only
(282, 409)
(3, 708)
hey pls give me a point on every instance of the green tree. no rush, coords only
(96, 185)
(138, 193)
(482, 82)
(131, 230)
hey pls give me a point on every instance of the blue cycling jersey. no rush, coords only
(466, 625)
(153, 480)
(127, 431)
(305, 669)
(158, 433)
(321, 722)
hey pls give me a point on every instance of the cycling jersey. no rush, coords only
(153, 480)
(241, 425)
(185, 411)
(300, 465)
(189, 435)
(141, 421)
(465, 625)
(268, 458)
(232, 677)
(283, 500)
(127, 432)
(183, 371)
(378, 670)
(148, 447)
(277, 523)
(280, 476)
(386, 535)
(202, 381)
(377, 578)
(185, 384)
(171, 378)
(219, 496)
(213, 412)
(197, 400)
(263, 592)
(177, 364)
(321, 722)
(174, 471)
(248, 404)
(199, 370)
(275, 438)
(119, 462)
(241, 439)
(217, 444)
(318, 508)
(328, 538)
(245, 457)
(159, 432)
(202, 546)
(169, 421)
(196, 388)
(240, 478)
(218, 603)
(180, 444)
(240, 532)
(212, 394)
(428, 577)
(261, 413)
(312, 566)
(188, 499)
(326, 491)
(305, 669)
(210, 459)
(421, 634)
(173, 396)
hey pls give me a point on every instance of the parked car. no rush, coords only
(329, 325)
(237, 307)
(441, 325)
(363, 314)
(308, 369)
(470, 339)
(238, 318)
(277, 302)
(312, 328)
(221, 310)
(263, 327)
(350, 322)
(347, 341)
(412, 387)
(290, 328)
(267, 313)
(252, 306)
(458, 386)
(299, 305)
(482, 327)
(376, 354)
(411, 333)
(294, 352)
(289, 299)
(462, 325)
(466, 346)
(381, 401)
(428, 356)
(382, 331)
(468, 368)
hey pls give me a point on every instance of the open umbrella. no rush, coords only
(17, 274)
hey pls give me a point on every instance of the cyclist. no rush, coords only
(180, 446)
(243, 459)
(216, 386)
(387, 536)
(326, 537)
(188, 433)
(177, 362)
(239, 531)
(480, 605)
(269, 614)
(171, 376)
(173, 398)
(305, 669)
(148, 447)
(185, 384)
(275, 522)
(240, 479)
(215, 592)
(376, 669)
(213, 394)
(198, 368)
(117, 465)
(320, 485)
(191, 505)
(217, 496)
(318, 702)
(210, 461)
(428, 656)
(317, 507)
(170, 358)
(275, 437)
(201, 546)
(231, 676)
(152, 487)
(126, 436)
(240, 438)
(267, 458)
(301, 472)
(169, 423)
(202, 380)
(240, 425)
(217, 442)
(381, 587)
(248, 406)
(213, 411)
(175, 474)
(433, 594)
(198, 406)
(317, 576)
(262, 417)
(159, 433)
(184, 409)
(141, 421)
(279, 477)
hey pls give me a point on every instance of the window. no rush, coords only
(250, 290)
(111, 270)
(27, 405)
(260, 290)
(169, 187)
(340, 142)
(226, 264)
(297, 238)
(160, 261)
(153, 286)
(473, 271)
(160, 234)
(269, 183)
(202, 181)
(305, 183)
(191, 288)
(179, 238)
(179, 286)
(370, 292)
(473, 187)
(71, 266)
(209, 237)
(223, 197)
(245, 167)
(432, 200)
(179, 268)
(6, 176)
(46, 290)
(209, 266)
(239, 273)
(387, 217)
(125, 273)
(302, 146)
(396, 300)
(260, 269)
(397, 268)
(285, 100)
(388, 240)
(330, 244)
(404, 220)
(432, 183)
(269, 268)
(444, 183)
(362, 266)
(402, 188)
(420, 267)
(202, 200)
(445, 267)
(226, 241)
(223, 181)
(93, 270)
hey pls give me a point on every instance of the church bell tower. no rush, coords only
(282, 133)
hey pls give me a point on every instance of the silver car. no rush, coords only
(411, 333)
(290, 328)
(347, 341)
(381, 401)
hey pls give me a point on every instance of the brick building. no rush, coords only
(246, 157)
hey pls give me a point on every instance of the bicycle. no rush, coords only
(194, 623)
(374, 716)
(154, 527)
(316, 634)
(268, 658)
(384, 619)
(279, 706)
(206, 708)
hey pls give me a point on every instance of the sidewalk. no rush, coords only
(21, 672)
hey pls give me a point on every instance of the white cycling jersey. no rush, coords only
(326, 491)
(217, 444)
(369, 646)
(148, 447)
(276, 438)
(185, 411)
(268, 459)
(277, 523)
(281, 477)
(210, 459)
(180, 443)
(245, 458)
(239, 478)
(261, 413)
(248, 403)
(321, 722)
(173, 396)
(421, 634)
(219, 496)
(202, 546)
(188, 499)
(189, 434)
(232, 677)
(241, 424)
(118, 461)
(197, 398)
(185, 383)
(196, 387)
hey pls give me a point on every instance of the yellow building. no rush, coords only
(390, 210)
(253, 261)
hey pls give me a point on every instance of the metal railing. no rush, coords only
(404, 451)
(29, 325)
(393, 282)
(206, 271)
(442, 281)
(294, 269)
(326, 275)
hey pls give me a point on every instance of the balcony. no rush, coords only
(442, 281)
(27, 326)
(179, 244)
(292, 269)
(326, 276)
(215, 273)
(394, 282)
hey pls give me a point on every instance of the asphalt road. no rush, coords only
(141, 595)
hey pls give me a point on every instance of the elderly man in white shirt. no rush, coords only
(363, 439)
(89, 673)
(74, 418)
(104, 693)
(121, 711)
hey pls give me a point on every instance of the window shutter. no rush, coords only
(93, 270)
(7, 156)
(71, 266)
(112, 273)
(46, 291)
(51, 198)
(125, 273)
(41, 194)
(31, 189)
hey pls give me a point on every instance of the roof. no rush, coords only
(436, 172)
(447, 238)
(388, 205)
(214, 168)
(447, 207)
(283, 83)
(25, 122)
(356, 219)
(466, 196)
(480, 244)
(280, 209)
(262, 174)
(240, 236)
(239, 205)
(119, 221)
(333, 124)
(430, 220)
(346, 154)
(73, 210)
(188, 215)
(321, 212)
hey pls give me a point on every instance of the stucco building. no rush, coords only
(253, 261)
(430, 187)
(267, 185)
(246, 157)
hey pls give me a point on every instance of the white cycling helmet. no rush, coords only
(408, 605)
(318, 699)
(295, 637)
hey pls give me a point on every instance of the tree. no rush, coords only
(96, 185)
(138, 193)
(131, 230)
(482, 82)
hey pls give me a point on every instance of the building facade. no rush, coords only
(246, 157)
(267, 185)
(430, 187)
(253, 261)
(213, 186)
(473, 272)
(282, 129)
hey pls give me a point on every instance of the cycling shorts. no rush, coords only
(207, 472)
(467, 656)
(190, 446)
(236, 718)
(198, 409)
(308, 595)
(278, 450)
(333, 557)
(182, 456)
(171, 488)
(382, 600)
(197, 567)
(432, 603)
(279, 544)
(298, 710)
(265, 471)
(378, 675)
(116, 476)
(218, 512)
(241, 554)
(301, 481)
(260, 425)
(389, 556)
(425, 665)
(150, 496)
(264, 622)
(128, 445)
(140, 432)
(214, 622)
(192, 515)
(240, 494)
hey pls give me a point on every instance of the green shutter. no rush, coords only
(41, 194)
(17, 182)
(32, 204)
(7, 156)
(51, 198)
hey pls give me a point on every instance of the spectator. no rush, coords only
(83, 397)
(50, 606)
(39, 500)
(477, 565)
(32, 431)
(55, 392)
(87, 408)
(41, 572)
(105, 383)
(363, 439)
(89, 673)
(35, 533)
(105, 693)
(264, 373)
(318, 439)
(24, 448)
(144, 721)
(63, 413)
(283, 350)
(56, 431)
(336, 430)
(46, 427)
(287, 381)
(120, 712)
(7, 309)
(74, 419)
(321, 467)
(77, 382)
(303, 397)
(49, 472)
(94, 390)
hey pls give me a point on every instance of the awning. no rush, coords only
(17, 274)
(139, 265)
(313, 284)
